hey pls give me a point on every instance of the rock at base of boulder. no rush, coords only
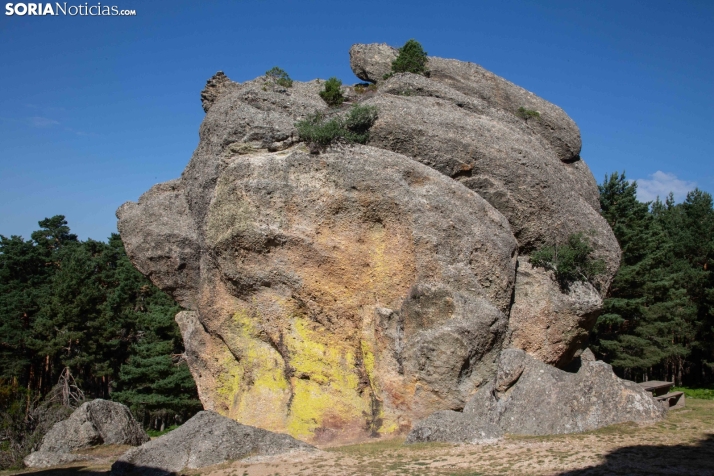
(94, 423)
(47, 459)
(529, 397)
(206, 439)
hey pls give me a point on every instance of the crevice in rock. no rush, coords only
(513, 299)
(465, 370)
(465, 172)
(373, 420)
(571, 160)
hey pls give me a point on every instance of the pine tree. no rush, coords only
(690, 226)
(655, 316)
(154, 381)
(81, 305)
(26, 271)
(615, 338)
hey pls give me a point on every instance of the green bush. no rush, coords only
(332, 93)
(358, 122)
(526, 114)
(156, 433)
(570, 262)
(279, 76)
(697, 393)
(411, 59)
(321, 131)
(318, 130)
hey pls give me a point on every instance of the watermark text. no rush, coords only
(63, 9)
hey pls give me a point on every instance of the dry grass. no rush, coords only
(683, 444)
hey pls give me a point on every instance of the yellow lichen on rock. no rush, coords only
(327, 393)
(258, 389)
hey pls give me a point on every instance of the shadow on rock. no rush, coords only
(694, 460)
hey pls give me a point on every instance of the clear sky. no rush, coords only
(96, 110)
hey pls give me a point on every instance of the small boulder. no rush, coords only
(206, 439)
(529, 397)
(371, 62)
(94, 423)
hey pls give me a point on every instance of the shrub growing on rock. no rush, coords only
(319, 131)
(332, 93)
(526, 114)
(279, 76)
(570, 262)
(359, 120)
(411, 59)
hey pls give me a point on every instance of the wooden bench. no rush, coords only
(672, 399)
(660, 392)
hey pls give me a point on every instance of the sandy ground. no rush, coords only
(683, 444)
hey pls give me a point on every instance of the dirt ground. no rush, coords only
(683, 444)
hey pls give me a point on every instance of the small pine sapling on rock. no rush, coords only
(332, 92)
(570, 262)
(279, 76)
(411, 59)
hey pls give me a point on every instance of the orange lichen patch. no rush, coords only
(359, 265)
(304, 346)
(353, 266)
(349, 269)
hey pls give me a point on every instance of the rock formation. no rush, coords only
(93, 423)
(353, 292)
(340, 288)
(549, 323)
(528, 397)
(204, 440)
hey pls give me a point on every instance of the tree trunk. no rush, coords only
(29, 390)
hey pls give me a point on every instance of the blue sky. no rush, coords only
(96, 110)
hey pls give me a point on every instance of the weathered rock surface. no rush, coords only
(215, 86)
(353, 292)
(502, 157)
(371, 62)
(47, 459)
(164, 245)
(94, 423)
(342, 295)
(206, 439)
(462, 121)
(547, 322)
(528, 397)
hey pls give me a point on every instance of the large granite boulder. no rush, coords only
(338, 296)
(205, 440)
(93, 423)
(528, 397)
(353, 292)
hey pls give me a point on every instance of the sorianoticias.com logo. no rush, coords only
(61, 8)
